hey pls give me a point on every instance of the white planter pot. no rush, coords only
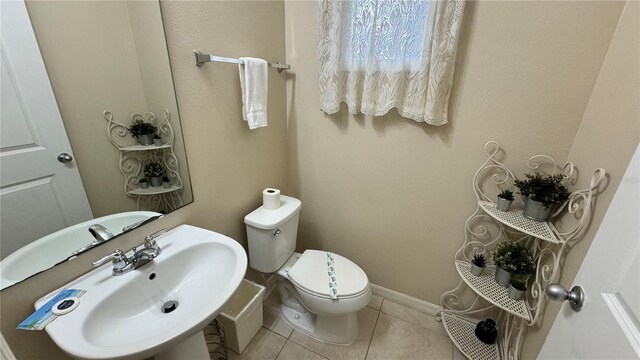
(514, 293)
(155, 181)
(476, 270)
(503, 204)
(535, 210)
(146, 139)
(503, 277)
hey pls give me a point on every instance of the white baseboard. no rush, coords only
(406, 300)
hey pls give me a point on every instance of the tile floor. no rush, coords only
(388, 331)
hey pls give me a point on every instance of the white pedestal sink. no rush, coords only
(121, 317)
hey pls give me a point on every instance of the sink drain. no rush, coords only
(169, 306)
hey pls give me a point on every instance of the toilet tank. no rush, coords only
(272, 234)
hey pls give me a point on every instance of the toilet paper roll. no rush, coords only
(271, 199)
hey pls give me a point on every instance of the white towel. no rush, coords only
(253, 82)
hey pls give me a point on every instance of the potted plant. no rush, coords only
(510, 257)
(154, 172)
(524, 267)
(478, 264)
(143, 183)
(505, 198)
(166, 182)
(142, 131)
(517, 286)
(543, 193)
(157, 140)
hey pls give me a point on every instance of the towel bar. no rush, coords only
(205, 58)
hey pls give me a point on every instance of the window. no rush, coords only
(375, 55)
(387, 30)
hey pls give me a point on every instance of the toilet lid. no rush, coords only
(311, 273)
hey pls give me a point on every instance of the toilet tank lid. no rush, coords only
(262, 218)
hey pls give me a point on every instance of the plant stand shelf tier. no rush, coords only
(486, 286)
(477, 298)
(462, 334)
(155, 190)
(515, 220)
(133, 158)
(145, 147)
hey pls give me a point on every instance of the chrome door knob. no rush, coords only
(65, 158)
(575, 297)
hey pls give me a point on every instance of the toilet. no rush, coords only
(321, 292)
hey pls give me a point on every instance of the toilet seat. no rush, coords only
(310, 274)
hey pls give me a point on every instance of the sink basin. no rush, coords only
(121, 317)
(56, 247)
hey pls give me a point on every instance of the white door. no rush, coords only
(38, 194)
(608, 325)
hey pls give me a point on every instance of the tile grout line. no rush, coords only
(310, 350)
(303, 346)
(374, 331)
(283, 345)
(418, 325)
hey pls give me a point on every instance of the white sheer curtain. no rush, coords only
(379, 54)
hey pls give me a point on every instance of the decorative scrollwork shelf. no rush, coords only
(133, 158)
(478, 297)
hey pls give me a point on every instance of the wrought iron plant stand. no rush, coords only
(476, 298)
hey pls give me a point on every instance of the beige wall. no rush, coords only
(229, 164)
(607, 137)
(106, 55)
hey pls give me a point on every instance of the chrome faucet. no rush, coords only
(101, 233)
(149, 251)
(122, 264)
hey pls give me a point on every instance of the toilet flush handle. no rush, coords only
(276, 233)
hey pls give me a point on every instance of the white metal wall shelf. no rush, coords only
(487, 287)
(481, 297)
(514, 219)
(461, 331)
(145, 147)
(133, 158)
(155, 190)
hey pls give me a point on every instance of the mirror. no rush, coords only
(75, 76)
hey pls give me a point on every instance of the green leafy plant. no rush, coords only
(156, 137)
(506, 194)
(140, 127)
(479, 260)
(153, 169)
(141, 181)
(166, 179)
(513, 257)
(519, 281)
(547, 189)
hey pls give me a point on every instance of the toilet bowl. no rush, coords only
(321, 292)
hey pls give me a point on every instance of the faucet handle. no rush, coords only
(116, 257)
(150, 240)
